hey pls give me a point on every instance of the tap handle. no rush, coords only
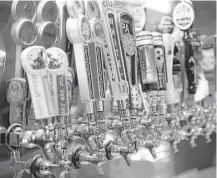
(190, 64)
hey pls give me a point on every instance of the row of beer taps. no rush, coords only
(110, 58)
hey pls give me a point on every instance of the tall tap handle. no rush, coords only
(189, 64)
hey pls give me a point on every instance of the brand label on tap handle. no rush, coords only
(183, 15)
(100, 72)
(120, 62)
(57, 69)
(147, 66)
(128, 38)
(160, 63)
(88, 70)
(34, 64)
(16, 95)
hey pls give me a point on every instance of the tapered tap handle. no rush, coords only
(189, 64)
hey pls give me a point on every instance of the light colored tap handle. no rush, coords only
(34, 64)
(57, 71)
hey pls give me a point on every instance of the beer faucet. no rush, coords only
(116, 75)
(148, 76)
(15, 137)
(57, 70)
(35, 65)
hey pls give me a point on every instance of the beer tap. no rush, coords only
(108, 12)
(128, 44)
(15, 137)
(172, 96)
(57, 71)
(35, 66)
(117, 78)
(189, 61)
(76, 11)
(148, 74)
(160, 122)
(80, 36)
(24, 34)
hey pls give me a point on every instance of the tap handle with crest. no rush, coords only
(185, 10)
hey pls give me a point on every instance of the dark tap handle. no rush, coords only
(189, 64)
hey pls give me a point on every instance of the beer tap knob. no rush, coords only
(38, 167)
(112, 149)
(80, 157)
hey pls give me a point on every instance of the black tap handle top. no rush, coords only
(189, 64)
